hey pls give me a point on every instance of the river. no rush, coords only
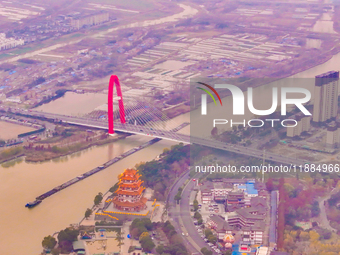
(11, 130)
(22, 229)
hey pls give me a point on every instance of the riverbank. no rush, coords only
(36, 156)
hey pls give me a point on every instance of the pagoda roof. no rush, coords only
(140, 203)
(126, 176)
(130, 185)
(130, 192)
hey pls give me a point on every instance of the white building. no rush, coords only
(303, 124)
(90, 20)
(13, 99)
(262, 251)
(253, 235)
(8, 43)
(326, 96)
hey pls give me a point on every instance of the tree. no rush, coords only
(114, 188)
(207, 232)
(66, 237)
(315, 210)
(88, 213)
(178, 197)
(195, 205)
(49, 242)
(55, 252)
(212, 239)
(143, 235)
(205, 251)
(147, 244)
(119, 238)
(197, 216)
(160, 248)
(98, 199)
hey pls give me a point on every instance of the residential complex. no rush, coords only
(8, 43)
(90, 20)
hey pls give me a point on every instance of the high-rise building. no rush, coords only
(333, 136)
(326, 96)
(303, 124)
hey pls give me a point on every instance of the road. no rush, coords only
(324, 222)
(180, 215)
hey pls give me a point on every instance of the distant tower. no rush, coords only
(326, 96)
(114, 80)
(129, 195)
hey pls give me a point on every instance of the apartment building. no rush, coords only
(326, 96)
(333, 136)
(90, 20)
(8, 43)
(303, 124)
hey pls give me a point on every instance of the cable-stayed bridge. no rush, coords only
(143, 118)
(171, 135)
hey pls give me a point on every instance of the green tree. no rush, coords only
(197, 216)
(88, 213)
(65, 239)
(147, 244)
(195, 205)
(207, 233)
(49, 242)
(119, 238)
(143, 235)
(160, 249)
(114, 188)
(206, 251)
(212, 239)
(98, 198)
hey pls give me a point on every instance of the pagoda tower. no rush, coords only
(129, 195)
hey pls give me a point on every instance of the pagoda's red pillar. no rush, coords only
(114, 80)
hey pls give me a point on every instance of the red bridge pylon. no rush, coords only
(114, 80)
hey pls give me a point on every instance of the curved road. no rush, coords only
(324, 222)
